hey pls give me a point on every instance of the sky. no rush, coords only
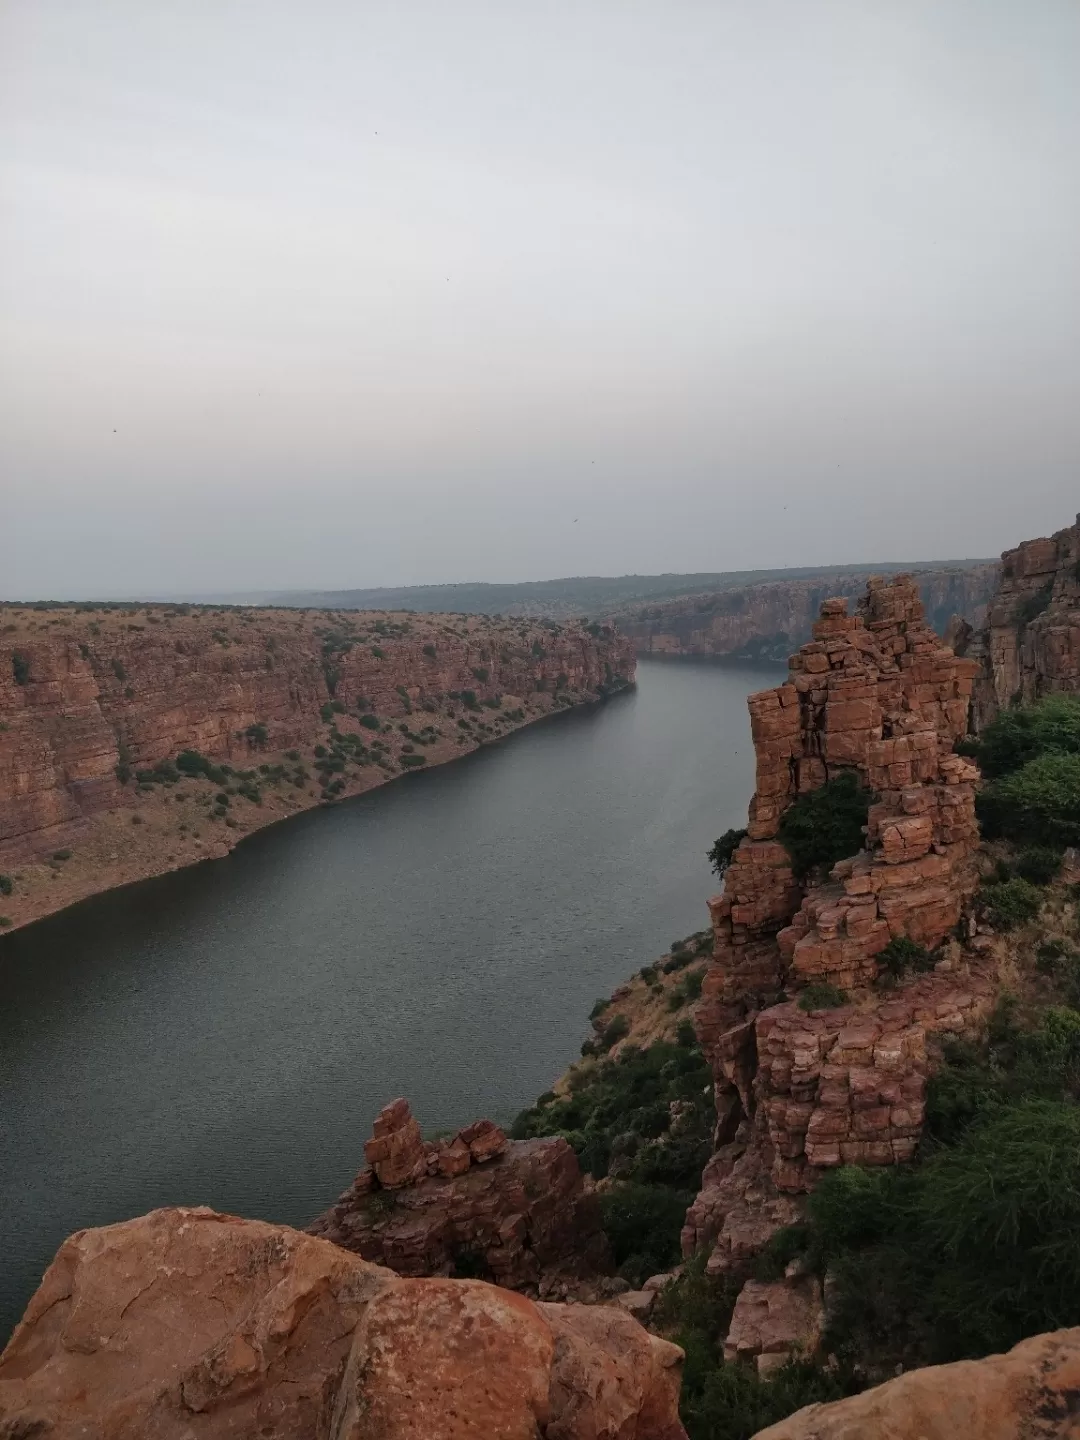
(347, 294)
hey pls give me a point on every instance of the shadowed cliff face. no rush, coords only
(1030, 644)
(91, 701)
(767, 620)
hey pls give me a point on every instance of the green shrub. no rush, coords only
(61, 855)
(614, 1031)
(643, 1224)
(411, 762)
(1016, 736)
(788, 1243)
(429, 650)
(902, 955)
(1039, 864)
(1039, 803)
(1010, 903)
(20, 667)
(1032, 606)
(685, 1034)
(825, 825)
(822, 996)
(118, 670)
(6, 884)
(257, 734)
(599, 1006)
(720, 855)
(5, 921)
(481, 673)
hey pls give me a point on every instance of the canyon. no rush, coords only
(271, 713)
(766, 620)
(819, 1045)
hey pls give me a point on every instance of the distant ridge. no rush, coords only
(574, 595)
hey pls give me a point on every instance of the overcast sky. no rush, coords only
(326, 294)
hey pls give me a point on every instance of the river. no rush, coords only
(225, 1034)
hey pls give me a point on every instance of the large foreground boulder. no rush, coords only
(189, 1325)
(1032, 1393)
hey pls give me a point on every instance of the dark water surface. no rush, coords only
(224, 1035)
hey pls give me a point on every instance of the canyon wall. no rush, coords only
(1030, 643)
(765, 621)
(92, 699)
(876, 694)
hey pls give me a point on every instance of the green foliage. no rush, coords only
(822, 996)
(728, 1401)
(719, 856)
(788, 1243)
(5, 921)
(902, 955)
(615, 1030)
(825, 825)
(411, 762)
(1009, 903)
(118, 670)
(195, 766)
(370, 722)
(599, 1006)
(1018, 735)
(20, 668)
(1039, 864)
(6, 884)
(1039, 803)
(61, 855)
(429, 651)
(643, 1223)
(481, 673)
(1032, 606)
(618, 1116)
(257, 734)
(979, 1244)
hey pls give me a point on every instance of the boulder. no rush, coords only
(1028, 1394)
(189, 1325)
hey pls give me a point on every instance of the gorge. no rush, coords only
(104, 711)
(838, 985)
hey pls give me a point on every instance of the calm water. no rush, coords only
(224, 1035)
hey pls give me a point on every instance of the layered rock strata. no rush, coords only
(91, 698)
(188, 1325)
(766, 620)
(1030, 643)
(518, 1212)
(877, 694)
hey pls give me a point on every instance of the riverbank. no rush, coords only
(171, 824)
(138, 740)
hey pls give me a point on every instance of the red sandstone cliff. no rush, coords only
(90, 695)
(516, 1211)
(766, 620)
(1030, 644)
(878, 694)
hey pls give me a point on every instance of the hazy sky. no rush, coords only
(295, 292)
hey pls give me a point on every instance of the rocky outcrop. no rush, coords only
(766, 620)
(518, 1212)
(1028, 1394)
(774, 1320)
(875, 693)
(188, 1325)
(92, 699)
(1030, 644)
